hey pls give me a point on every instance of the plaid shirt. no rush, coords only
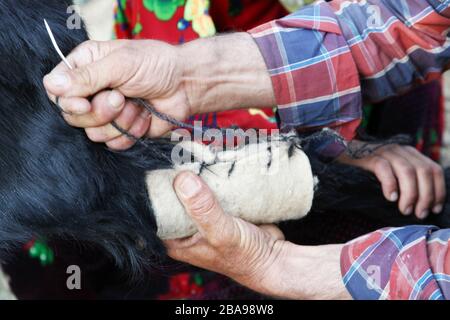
(409, 263)
(327, 58)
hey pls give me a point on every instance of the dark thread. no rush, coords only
(203, 166)
(233, 166)
(291, 150)
(169, 119)
(125, 132)
(269, 164)
(370, 146)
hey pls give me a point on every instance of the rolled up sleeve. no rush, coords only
(410, 263)
(327, 59)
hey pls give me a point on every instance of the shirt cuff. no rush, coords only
(391, 264)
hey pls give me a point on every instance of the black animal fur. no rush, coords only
(55, 183)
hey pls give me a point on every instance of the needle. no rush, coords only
(55, 45)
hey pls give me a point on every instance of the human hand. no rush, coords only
(199, 77)
(256, 257)
(109, 71)
(406, 176)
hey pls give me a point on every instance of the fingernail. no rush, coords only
(116, 100)
(438, 209)
(394, 196)
(424, 214)
(409, 211)
(59, 79)
(189, 186)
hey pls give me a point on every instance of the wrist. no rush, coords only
(224, 73)
(307, 273)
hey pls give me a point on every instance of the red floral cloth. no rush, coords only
(134, 20)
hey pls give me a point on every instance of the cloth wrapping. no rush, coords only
(260, 183)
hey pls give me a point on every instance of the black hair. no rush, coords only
(53, 181)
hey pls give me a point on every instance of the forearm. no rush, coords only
(224, 73)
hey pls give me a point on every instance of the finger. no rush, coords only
(137, 131)
(273, 231)
(88, 52)
(125, 120)
(89, 79)
(426, 191)
(159, 128)
(425, 181)
(60, 68)
(382, 169)
(202, 206)
(104, 103)
(74, 106)
(91, 50)
(407, 180)
(439, 184)
(440, 188)
(109, 104)
(202, 255)
(438, 180)
(183, 243)
(385, 174)
(83, 55)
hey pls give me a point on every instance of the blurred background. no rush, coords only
(99, 17)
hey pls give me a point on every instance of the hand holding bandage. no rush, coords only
(256, 257)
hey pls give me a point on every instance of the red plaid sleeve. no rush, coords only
(327, 58)
(410, 263)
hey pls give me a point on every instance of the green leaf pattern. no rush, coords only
(163, 9)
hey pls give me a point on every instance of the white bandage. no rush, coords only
(5, 291)
(259, 183)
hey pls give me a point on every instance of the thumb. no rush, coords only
(87, 80)
(203, 207)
